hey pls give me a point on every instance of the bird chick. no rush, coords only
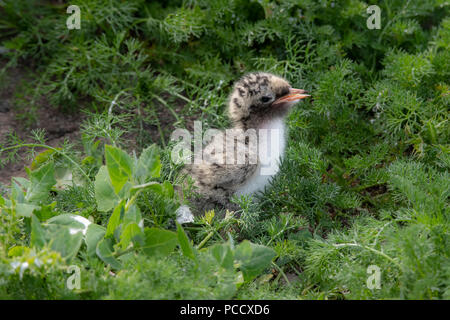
(258, 101)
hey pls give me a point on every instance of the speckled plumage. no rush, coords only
(250, 107)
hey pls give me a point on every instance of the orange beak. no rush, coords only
(293, 95)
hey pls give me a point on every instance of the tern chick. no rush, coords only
(258, 101)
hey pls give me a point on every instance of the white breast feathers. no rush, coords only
(271, 146)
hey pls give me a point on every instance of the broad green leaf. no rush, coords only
(65, 233)
(63, 240)
(159, 241)
(131, 233)
(37, 233)
(46, 212)
(223, 254)
(25, 209)
(120, 166)
(104, 252)
(133, 214)
(185, 244)
(75, 223)
(125, 192)
(64, 178)
(105, 196)
(253, 258)
(24, 183)
(148, 165)
(115, 219)
(17, 193)
(93, 235)
(42, 158)
(41, 181)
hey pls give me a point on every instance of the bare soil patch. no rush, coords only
(58, 126)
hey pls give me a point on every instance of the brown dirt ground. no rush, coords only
(58, 125)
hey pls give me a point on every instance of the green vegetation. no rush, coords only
(365, 180)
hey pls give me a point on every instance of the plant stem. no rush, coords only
(37, 145)
(341, 245)
(145, 185)
(201, 244)
(282, 273)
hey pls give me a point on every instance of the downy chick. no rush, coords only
(258, 101)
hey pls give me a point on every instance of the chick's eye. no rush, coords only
(265, 99)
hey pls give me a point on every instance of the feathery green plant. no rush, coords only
(364, 181)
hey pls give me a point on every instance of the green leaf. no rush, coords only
(64, 241)
(115, 219)
(159, 241)
(25, 209)
(17, 193)
(149, 165)
(120, 167)
(93, 235)
(46, 212)
(42, 157)
(185, 244)
(132, 232)
(133, 214)
(155, 187)
(105, 196)
(75, 223)
(65, 233)
(24, 183)
(223, 254)
(37, 233)
(168, 189)
(64, 178)
(17, 251)
(253, 258)
(41, 181)
(104, 252)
